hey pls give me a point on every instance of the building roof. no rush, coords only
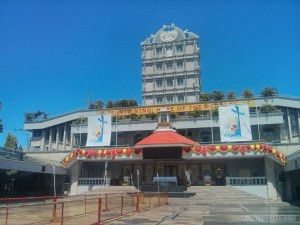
(163, 138)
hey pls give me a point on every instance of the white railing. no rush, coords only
(94, 181)
(239, 181)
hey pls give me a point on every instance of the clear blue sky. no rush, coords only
(56, 55)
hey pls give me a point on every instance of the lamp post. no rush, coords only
(138, 181)
(54, 184)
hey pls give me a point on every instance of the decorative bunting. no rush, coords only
(212, 149)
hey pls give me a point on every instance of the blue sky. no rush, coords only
(57, 55)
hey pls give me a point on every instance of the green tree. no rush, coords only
(37, 116)
(11, 142)
(1, 125)
(205, 97)
(96, 104)
(267, 108)
(231, 95)
(109, 104)
(247, 93)
(269, 92)
(217, 95)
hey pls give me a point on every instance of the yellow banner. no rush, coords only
(173, 108)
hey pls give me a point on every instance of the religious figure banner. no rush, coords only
(235, 123)
(99, 130)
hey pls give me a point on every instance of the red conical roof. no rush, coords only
(165, 137)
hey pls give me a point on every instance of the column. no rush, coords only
(43, 140)
(271, 179)
(50, 139)
(74, 175)
(57, 138)
(65, 137)
(289, 125)
(71, 141)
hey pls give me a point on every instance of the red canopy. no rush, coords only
(169, 138)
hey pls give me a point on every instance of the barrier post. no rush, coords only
(54, 209)
(106, 203)
(62, 213)
(137, 202)
(85, 204)
(122, 204)
(99, 210)
(158, 199)
(6, 220)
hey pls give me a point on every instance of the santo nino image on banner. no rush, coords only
(99, 130)
(235, 123)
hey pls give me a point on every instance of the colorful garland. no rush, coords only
(102, 153)
(213, 149)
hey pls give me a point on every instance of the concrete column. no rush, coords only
(57, 138)
(271, 179)
(71, 141)
(289, 125)
(65, 137)
(50, 139)
(74, 175)
(43, 140)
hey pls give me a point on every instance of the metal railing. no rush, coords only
(90, 209)
(239, 181)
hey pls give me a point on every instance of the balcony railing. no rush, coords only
(240, 181)
(94, 181)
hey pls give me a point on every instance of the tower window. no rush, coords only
(179, 48)
(159, 100)
(158, 83)
(158, 67)
(169, 66)
(179, 81)
(179, 65)
(180, 98)
(170, 83)
(159, 51)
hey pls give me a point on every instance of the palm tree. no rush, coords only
(217, 95)
(231, 95)
(247, 93)
(269, 92)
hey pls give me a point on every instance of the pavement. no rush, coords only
(216, 206)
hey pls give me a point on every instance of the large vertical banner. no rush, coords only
(235, 123)
(99, 130)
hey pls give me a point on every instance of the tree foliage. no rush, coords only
(37, 116)
(231, 95)
(247, 93)
(11, 142)
(96, 104)
(217, 95)
(269, 92)
(267, 108)
(205, 97)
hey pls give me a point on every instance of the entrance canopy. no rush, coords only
(168, 138)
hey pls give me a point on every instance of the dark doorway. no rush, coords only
(162, 153)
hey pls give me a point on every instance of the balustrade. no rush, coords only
(238, 181)
(94, 181)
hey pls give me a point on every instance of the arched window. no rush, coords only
(204, 136)
(137, 137)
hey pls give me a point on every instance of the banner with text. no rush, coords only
(204, 106)
(235, 123)
(99, 130)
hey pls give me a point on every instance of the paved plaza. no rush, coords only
(216, 205)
